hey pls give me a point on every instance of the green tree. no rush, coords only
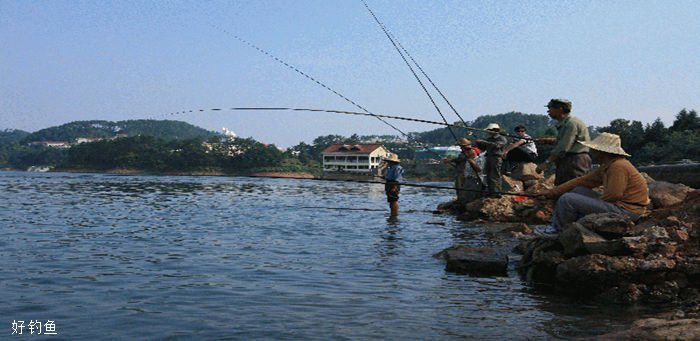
(686, 121)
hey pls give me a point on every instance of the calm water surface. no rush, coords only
(154, 257)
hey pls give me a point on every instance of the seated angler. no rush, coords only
(521, 150)
(624, 189)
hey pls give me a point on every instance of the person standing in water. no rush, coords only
(392, 187)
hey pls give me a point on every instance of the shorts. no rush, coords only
(392, 189)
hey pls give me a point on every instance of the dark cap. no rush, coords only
(559, 103)
(520, 127)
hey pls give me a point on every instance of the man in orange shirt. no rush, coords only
(624, 189)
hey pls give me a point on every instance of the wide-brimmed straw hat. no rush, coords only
(392, 158)
(607, 143)
(464, 142)
(493, 127)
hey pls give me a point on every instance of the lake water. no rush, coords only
(157, 257)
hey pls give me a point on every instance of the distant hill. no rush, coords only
(164, 129)
(12, 136)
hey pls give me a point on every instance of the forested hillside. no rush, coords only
(165, 130)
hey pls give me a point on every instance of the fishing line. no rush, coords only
(390, 35)
(297, 70)
(410, 68)
(393, 42)
(344, 112)
(383, 182)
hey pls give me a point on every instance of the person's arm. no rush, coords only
(513, 145)
(474, 165)
(590, 180)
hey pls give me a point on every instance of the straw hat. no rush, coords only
(392, 158)
(493, 127)
(464, 142)
(607, 143)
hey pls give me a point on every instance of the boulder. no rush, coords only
(509, 184)
(575, 239)
(611, 225)
(655, 329)
(526, 171)
(665, 194)
(475, 261)
(593, 272)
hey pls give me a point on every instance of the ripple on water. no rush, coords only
(240, 258)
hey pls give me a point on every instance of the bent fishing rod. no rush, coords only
(344, 112)
(309, 77)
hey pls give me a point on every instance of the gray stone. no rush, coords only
(576, 238)
(665, 194)
(608, 224)
(475, 261)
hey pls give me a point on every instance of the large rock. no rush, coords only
(611, 225)
(576, 240)
(475, 261)
(665, 194)
(509, 184)
(592, 272)
(658, 329)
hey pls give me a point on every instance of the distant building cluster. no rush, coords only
(79, 140)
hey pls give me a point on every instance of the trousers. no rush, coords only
(581, 201)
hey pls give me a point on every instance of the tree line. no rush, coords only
(648, 144)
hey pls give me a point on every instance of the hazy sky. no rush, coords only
(62, 61)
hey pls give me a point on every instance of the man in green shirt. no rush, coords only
(571, 158)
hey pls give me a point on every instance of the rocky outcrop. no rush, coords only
(658, 329)
(610, 258)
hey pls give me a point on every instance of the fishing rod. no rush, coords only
(344, 112)
(410, 68)
(393, 41)
(405, 51)
(297, 70)
(383, 182)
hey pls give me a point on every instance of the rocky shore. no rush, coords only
(603, 257)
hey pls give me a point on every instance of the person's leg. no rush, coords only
(493, 174)
(571, 167)
(394, 206)
(572, 206)
(496, 176)
(585, 191)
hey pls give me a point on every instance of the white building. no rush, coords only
(356, 158)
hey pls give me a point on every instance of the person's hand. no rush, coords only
(541, 167)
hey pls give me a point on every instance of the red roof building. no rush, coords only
(353, 158)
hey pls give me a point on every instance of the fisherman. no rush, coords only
(521, 150)
(464, 166)
(473, 182)
(494, 146)
(571, 158)
(392, 187)
(624, 189)
(459, 164)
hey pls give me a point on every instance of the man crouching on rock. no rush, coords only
(624, 189)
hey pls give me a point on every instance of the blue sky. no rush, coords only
(63, 61)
